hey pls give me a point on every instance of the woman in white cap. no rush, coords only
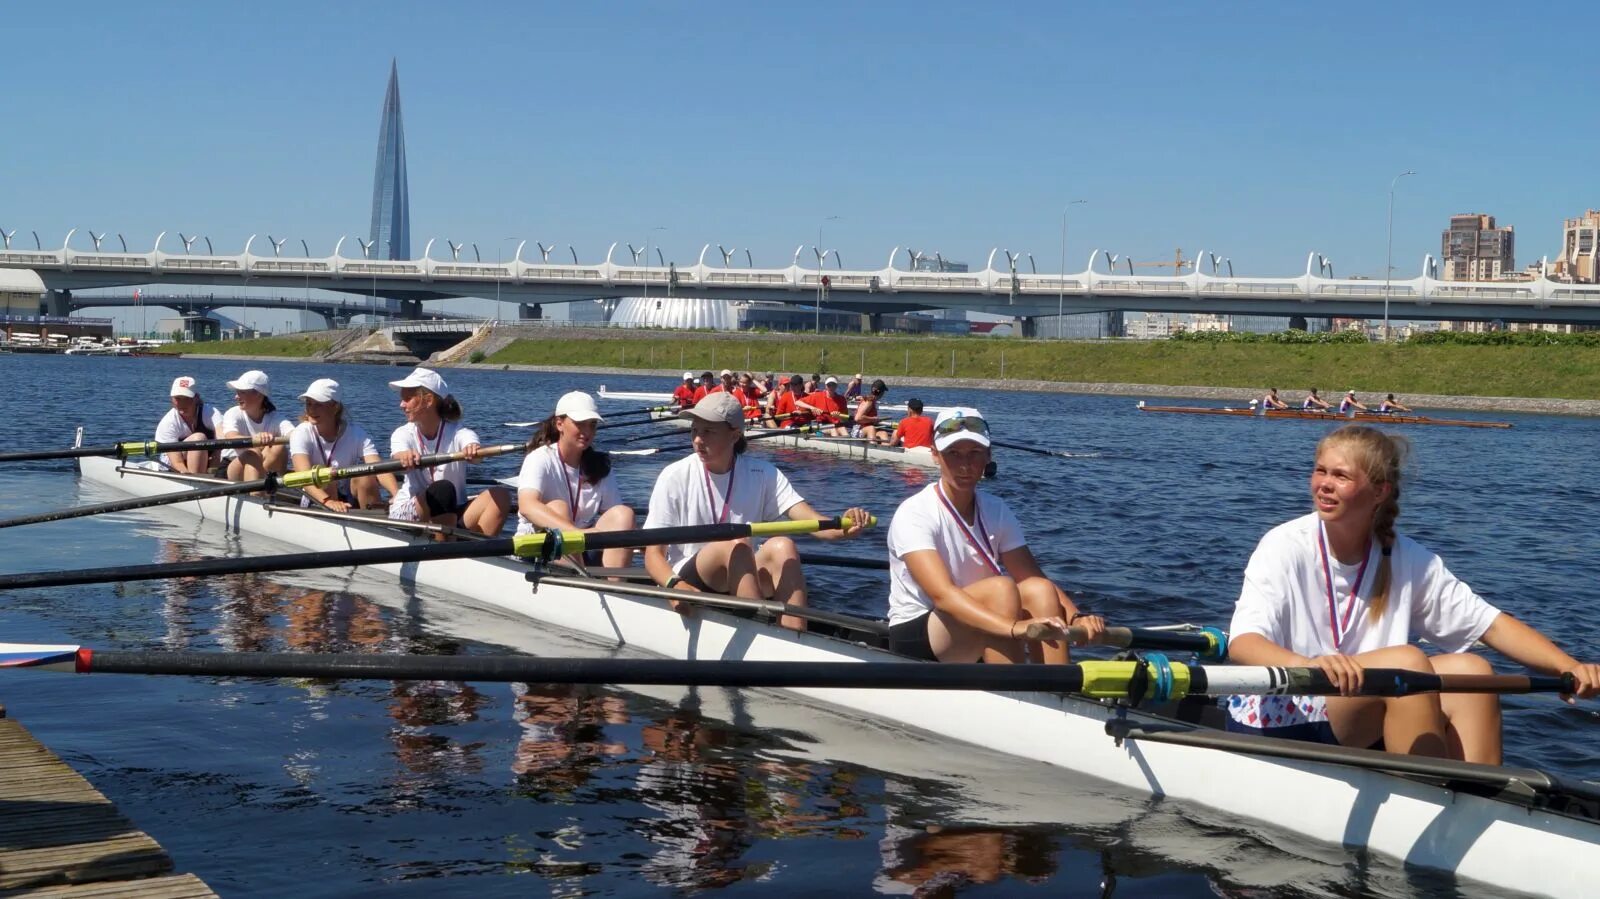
(963, 584)
(718, 484)
(439, 494)
(566, 483)
(326, 437)
(683, 395)
(1350, 404)
(255, 416)
(189, 419)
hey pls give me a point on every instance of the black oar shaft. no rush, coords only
(144, 502)
(131, 448)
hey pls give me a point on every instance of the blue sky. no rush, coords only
(1259, 132)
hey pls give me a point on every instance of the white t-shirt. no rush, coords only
(235, 421)
(922, 522)
(687, 494)
(1285, 600)
(351, 447)
(452, 438)
(173, 428)
(544, 472)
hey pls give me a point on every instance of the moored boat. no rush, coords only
(1467, 819)
(1392, 418)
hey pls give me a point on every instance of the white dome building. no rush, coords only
(676, 312)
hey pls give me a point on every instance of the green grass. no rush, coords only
(1567, 372)
(293, 345)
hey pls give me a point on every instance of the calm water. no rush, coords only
(445, 788)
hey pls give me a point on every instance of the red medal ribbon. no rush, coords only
(984, 552)
(711, 493)
(1340, 624)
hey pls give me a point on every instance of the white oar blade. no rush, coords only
(35, 655)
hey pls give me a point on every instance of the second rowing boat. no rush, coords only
(1317, 415)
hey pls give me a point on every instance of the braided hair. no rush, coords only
(1381, 456)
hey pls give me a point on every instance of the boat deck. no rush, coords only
(59, 836)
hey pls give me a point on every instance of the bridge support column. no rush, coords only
(530, 311)
(409, 310)
(58, 303)
(1027, 326)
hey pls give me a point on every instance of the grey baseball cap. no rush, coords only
(718, 406)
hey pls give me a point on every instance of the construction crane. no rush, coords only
(1178, 263)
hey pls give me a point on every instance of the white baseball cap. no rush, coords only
(688, 376)
(958, 424)
(719, 406)
(578, 406)
(323, 390)
(725, 374)
(831, 380)
(424, 378)
(184, 385)
(252, 380)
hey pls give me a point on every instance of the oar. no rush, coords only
(1021, 447)
(540, 545)
(135, 448)
(649, 410)
(772, 432)
(1209, 642)
(269, 484)
(1099, 680)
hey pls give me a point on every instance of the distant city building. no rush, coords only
(1473, 249)
(1580, 250)
(1153, 326)
(391, 198)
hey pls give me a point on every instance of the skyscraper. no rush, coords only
(391, 200)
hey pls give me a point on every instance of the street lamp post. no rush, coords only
(1061, 295)
(1388, 259)
(821, 260)
(499, 248)
(648, 237)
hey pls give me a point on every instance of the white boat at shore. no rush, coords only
(1509, 828)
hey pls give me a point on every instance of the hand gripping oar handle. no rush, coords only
(129, 448)
(327, 473)
(541, 545)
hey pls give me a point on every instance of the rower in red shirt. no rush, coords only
(726, 385)
(829, 407)
(785, 414)
(705, 387)
(915, 429)
(683, 396)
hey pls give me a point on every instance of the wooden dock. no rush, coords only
(60, 837)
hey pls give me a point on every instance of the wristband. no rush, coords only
(673, 581)
(1075, 617)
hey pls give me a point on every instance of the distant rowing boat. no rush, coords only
(1314, 415)
(642, 396)
(848, 447)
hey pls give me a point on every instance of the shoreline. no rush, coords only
(1533, 405)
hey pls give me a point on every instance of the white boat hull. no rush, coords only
(860, 450)
(1497, 842)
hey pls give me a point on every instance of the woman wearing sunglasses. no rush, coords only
(963, 584)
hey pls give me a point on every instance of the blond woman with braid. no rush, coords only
(1340, 590)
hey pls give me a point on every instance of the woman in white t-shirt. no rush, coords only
(255, 417)
(717, 484)
(439, 494)
(963, 584)
(566, 483)
(189, 420)
(326, 437)
(1340, 590)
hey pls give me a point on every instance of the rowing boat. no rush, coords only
(1392, 418)
(1465, 819)
(639, 396)
(856, 448)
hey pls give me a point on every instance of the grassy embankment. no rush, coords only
(1566, 372)
(290, 346)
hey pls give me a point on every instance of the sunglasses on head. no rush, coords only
(963, 423)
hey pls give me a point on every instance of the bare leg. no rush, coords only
(1039, 600)
(729, 566)
(617, 518)
(953, 641)
(197, 461)
(778, 565)
(487, 511)
(1411, 725)
(1473, 729)
(275, 458)
(365, 490)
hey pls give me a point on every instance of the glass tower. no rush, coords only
(391, 201)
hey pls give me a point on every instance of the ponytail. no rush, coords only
(595, 465)
(267, 407)
(449, 408)
(1383, 529)
(546, 434)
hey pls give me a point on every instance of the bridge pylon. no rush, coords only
(409, 310)
(58, 303)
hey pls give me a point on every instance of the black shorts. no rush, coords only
(910, 638)
(691, 576)
(440, 499)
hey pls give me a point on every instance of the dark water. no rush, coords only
(444, 788)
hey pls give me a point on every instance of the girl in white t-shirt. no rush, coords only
(439, 494)
(255, 417)
(566, 483)
(962, 582)
(1340, 590)
(190, 420)
(717, 484)
(326, 437)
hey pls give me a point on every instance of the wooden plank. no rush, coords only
(133, 855)
(172, 886)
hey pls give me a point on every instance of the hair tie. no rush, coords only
(1388, 551)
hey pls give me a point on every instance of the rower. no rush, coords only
(1339, 589)
(1271, 400)
(255, 417)
(866, 416)
(1391, 405)
(683, 395)
(717, 484)
(326, 437)
(1314, 403)
(915, 429)
(781, 413)
(853, 389)
(1350, 405)
(827, 405)
(706, 383)
(963, 584)
(752, 391)
(566, 483)
(190, 419)
(439, 494)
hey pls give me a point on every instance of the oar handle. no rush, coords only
(326, 474)
(550, 544)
